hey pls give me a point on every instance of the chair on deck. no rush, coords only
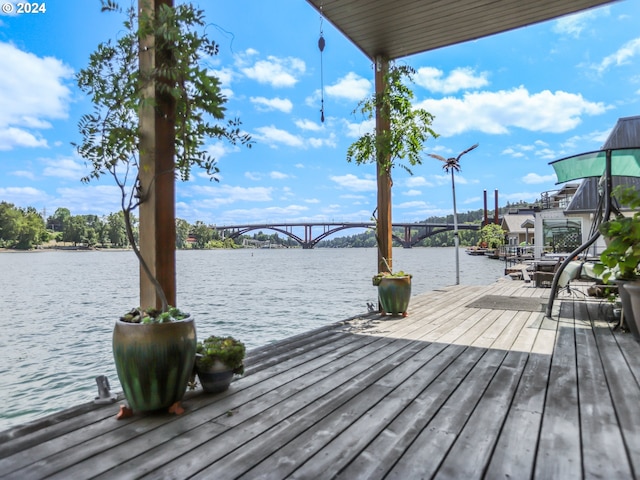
(570, 273)
(544, 278)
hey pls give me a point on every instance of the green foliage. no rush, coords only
(622, 255)
(202, 234)
(118, 89)
(153, 315)
(21, 228)
(492, 235)
(182, 232)
(376, 279)
(226, 350)
(409, 127)
(178, 86)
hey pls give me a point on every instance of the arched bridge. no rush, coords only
(413, 232)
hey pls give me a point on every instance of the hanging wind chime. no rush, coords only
(321, 44)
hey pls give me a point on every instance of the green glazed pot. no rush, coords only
(154, 361)
(394, 294)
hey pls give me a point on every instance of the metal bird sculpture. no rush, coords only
(452, 163)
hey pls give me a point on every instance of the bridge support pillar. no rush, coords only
(407, 237)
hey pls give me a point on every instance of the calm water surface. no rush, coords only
(58, 307)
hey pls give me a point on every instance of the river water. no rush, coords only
(58, 307)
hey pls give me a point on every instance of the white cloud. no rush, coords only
(277, 72)
(273, 136)
(350, 87)
(23, 195)
(573, 25)
(356, 130)
(289, 213)
(534, 178)
(446, 179)
(463, 78)
(620, 57)
(226, 77)
(94, 199)
(24, 174)
(412, 193)
(356, 184)
(471, 200)
(267, 104)
(218, 150)
(64, 168)
(307, 124)
(16, 137)
(217, 195)
(496, 112)
(329, 141)
(32, 91)
(415, 204)
(520, 196)
(253, 176)
(418, 181)
(279, 175)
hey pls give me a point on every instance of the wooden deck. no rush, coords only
(474, 383)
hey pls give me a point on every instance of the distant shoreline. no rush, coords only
(64, 249)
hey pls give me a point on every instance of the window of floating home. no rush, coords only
(562, 235)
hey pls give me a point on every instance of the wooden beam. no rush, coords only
(157, 213)
(384, 228)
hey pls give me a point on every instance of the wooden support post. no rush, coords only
(157, 180)
(385, 261)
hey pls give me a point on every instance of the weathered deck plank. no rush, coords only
(599, 425)
(560, 431)
(451, 391)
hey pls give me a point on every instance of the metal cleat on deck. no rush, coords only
(104, 391)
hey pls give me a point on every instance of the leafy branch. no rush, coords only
(119, 90)
(409, 127)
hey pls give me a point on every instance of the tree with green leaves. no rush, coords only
(410, 127)
(21, 228)
(187, 94)
(202, 234)
(492, 235)
(31, 231)
(400, 133)
(182, 232)
(116, 229)
(59, 219)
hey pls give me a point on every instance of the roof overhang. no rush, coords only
(398, 28)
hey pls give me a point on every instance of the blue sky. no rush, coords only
(528, 97)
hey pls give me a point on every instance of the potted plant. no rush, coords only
(394, 292)
(151, 79)
(621, 258)
(218, 359)
(400, 133)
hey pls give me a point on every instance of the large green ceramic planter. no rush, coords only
(394, 294)
(154, 361)
(630, 297)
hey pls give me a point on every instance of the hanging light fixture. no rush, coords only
(321, 45)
